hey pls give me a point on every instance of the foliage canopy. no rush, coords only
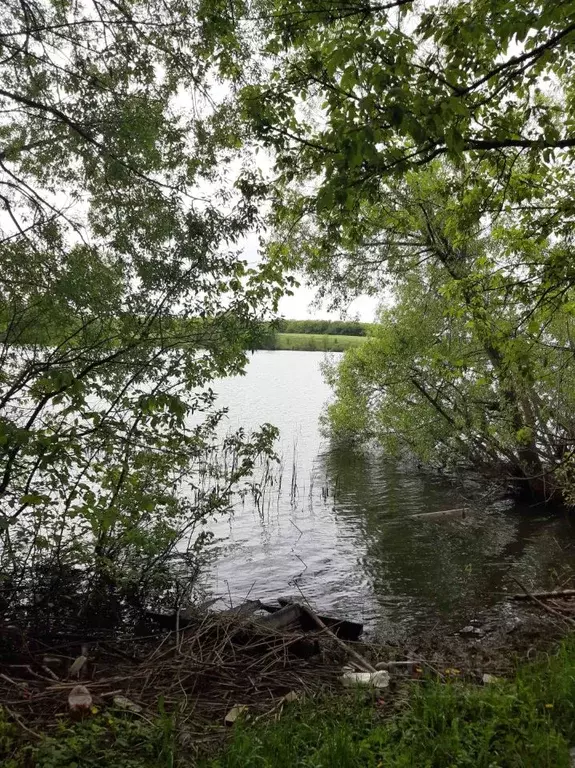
(119, 210)
(425, 155)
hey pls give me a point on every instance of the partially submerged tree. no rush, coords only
(361, 103)
(117, 213)
(472, 365)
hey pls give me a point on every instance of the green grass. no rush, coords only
(525, 723)
(317, 342)
(103, 740)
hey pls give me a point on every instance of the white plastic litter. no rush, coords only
(366, 679)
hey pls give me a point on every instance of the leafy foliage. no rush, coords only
(472, 365)
(109, 138)
(104, 739)
(395, 86)
(425, 156)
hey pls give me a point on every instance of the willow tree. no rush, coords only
(472, 364)
(424, 152)
(118, 213)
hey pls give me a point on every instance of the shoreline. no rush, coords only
(223, 662)
(309, 342)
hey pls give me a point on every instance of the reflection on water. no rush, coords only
(337, 526)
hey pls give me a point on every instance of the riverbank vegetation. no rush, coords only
(312, 342)
(311, 335)
(438, 174)
(424, 156)
(195, 334)
(108, 424)
(527, 720)
(322, 327)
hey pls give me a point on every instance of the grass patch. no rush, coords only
(524, 723)
(102, 741)
(317, 342)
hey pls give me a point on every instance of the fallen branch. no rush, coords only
(406, 663)
(16, 683)
(440, 513)
(21, 723)
(219, 660)
(545, 595)
(548, 608)
(353, 653)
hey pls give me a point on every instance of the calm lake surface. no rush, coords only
(337, 527)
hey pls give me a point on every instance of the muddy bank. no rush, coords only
(489, 644)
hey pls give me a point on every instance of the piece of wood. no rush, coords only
(288, 617)
(544, 595)
(21, 723)
(244, 609)
(269, 607)
(343, 628)
(49, 672)
(351, 651)
(459, 512)
(548, 608)
(391, 664)
(17, 684)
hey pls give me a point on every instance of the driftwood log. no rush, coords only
(529, 595)
(343, 628)
(544, 595)
(364, 664)
(459, 512)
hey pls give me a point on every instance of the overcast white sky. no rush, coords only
(298, 306)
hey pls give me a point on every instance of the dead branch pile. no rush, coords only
(218, 662)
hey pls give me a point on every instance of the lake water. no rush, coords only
(338, 527)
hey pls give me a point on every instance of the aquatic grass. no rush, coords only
(526, 722)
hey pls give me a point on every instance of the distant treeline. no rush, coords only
(302, 342)
(172, 330)
(330, 327)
